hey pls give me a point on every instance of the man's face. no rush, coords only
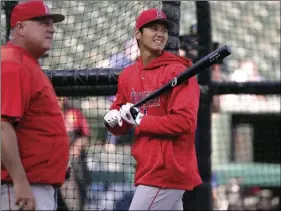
(61, 101)
(38, 34)
(154, 37)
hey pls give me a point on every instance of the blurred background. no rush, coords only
(243, 121)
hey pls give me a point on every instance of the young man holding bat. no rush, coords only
(34, 141)
(165, 126)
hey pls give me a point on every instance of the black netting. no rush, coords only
(245, 135)
(244, 127)
(98, 34)
(93, 32)
(252, 30)
(3, 27)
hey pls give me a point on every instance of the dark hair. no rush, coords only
(153, 23)
(141, 31)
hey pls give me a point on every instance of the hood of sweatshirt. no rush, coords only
(166, 58)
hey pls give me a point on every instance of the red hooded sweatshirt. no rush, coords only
(164, 146)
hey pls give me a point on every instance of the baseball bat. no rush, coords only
(196, 68)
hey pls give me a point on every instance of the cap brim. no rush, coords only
(55, 17)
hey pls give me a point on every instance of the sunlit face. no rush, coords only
(38, 34)
(153, 37)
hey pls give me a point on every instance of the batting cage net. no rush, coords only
(245, 135)
(96, 34)
(244, 119)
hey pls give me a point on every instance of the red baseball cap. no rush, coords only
(28, 10)
(151, 15)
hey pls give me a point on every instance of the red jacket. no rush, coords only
(164, 146)
(28, 100)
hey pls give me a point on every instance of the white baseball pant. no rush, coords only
(152, 198)
(45, 197)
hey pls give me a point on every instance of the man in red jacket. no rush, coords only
(164, 146)
(34, 140)
(74, 191)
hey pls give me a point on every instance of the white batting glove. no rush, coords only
(113, 118)
(131, 114)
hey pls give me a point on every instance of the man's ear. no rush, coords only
(20, 28)
(137, 34)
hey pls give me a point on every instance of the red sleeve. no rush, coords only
(84, 126)
(13, 92)
(182, 113)
(119, 101)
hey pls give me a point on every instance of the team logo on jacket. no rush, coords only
(137, 96)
